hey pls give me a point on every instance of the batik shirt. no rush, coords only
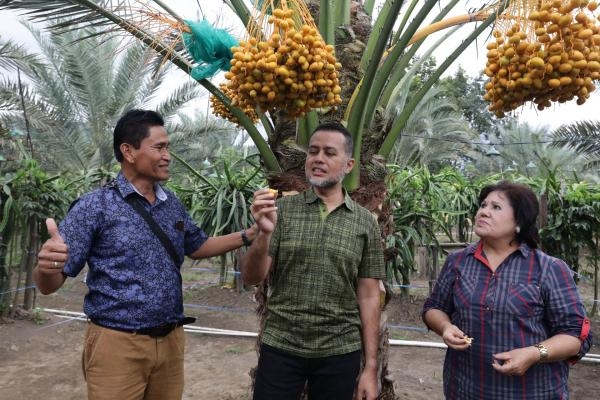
(318, 257)
(530, 297)
(133, 282)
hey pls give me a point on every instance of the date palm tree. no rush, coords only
(369, 76)
(583, 137)
(435, 135)
(374, 58)
(530, 151)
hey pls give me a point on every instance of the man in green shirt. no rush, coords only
(324, 254)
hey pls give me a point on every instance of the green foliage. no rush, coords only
(236, 350)
(37, 316)
(430, 209)
(28, 196)
(583, 137)
(528, 150)
(573, 218)
(425, 205)
(33, 192)
(435, 135)
(197, 137)
(16, 56)
(426, 68)
(218, 196)
(77, 89)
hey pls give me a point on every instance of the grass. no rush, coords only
(37, 317)
(235, 350)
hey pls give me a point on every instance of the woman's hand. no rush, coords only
(516, 362)
(455, 338)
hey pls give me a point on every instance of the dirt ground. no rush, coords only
(40, 356)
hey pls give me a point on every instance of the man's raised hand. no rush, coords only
(54, 252)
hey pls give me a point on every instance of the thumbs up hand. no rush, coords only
(53, 229)
(54, 252)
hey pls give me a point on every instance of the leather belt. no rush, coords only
(153, 332)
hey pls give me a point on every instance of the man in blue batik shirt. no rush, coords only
(134, 342)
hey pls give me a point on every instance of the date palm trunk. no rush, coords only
(350, 41)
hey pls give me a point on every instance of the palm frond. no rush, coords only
(13, 56)
(528, 150)
(198, 137)
(134, 79)
(42, 115)
(178, 98)
(51, 82)
(154, 79)
(582, 136)
(154, 26)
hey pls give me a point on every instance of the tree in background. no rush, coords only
(435, 135)
(529, 151)
(372, 68)
(77, 89)
(466, 92)
(582, 137)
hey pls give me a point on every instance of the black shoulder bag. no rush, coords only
(160, 234)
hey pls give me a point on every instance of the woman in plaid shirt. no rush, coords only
(510, 314)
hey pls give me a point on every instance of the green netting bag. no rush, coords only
(209, 47)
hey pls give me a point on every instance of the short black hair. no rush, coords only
(133, 127)
(525, 207)
(337, 127)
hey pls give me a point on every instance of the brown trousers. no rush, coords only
(127, 366)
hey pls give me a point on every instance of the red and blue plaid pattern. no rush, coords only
(530, 297)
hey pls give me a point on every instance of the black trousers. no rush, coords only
(282, 376)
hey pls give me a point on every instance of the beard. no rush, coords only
(326, 183)
(322, 183)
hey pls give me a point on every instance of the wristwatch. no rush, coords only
(543, 351)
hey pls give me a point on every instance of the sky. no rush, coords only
(472, 60)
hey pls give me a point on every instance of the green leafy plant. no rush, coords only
(37, 316)
(218, 196)
(28, 196)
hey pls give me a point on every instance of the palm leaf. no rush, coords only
(136, 77)
(13, 56)
(107, 16)
(182, 94)
(396, 129)
(158, 28)
(582, 136)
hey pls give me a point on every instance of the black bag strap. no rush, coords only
(160, 234)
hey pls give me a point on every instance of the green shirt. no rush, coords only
(312, 305)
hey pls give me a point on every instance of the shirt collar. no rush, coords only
(477, 247)
(126, 188)
(310, 197)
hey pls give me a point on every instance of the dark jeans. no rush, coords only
(282, 376)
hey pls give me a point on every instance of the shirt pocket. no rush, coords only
(464, 292)
(524, 299)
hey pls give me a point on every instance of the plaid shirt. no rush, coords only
(312, 306)
(530, 297)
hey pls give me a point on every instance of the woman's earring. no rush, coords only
(518, 229)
